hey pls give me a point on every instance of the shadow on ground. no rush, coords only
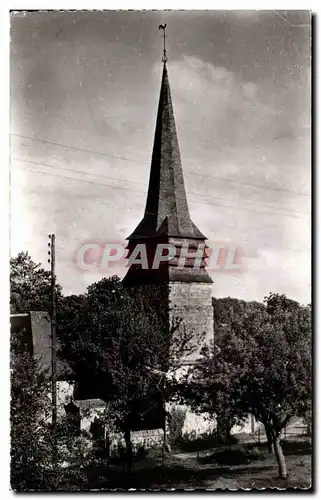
(232, 467)
(168, 477)
(297, 447)
(233, 456)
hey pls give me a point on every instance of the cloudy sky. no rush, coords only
(84, 95)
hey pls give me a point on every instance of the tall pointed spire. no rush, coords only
(166, 209)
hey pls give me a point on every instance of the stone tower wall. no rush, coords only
(192, 302)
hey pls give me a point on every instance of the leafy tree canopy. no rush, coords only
(260, 364)
(29, 285)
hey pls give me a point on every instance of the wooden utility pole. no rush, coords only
(52, 261)
(164, 434)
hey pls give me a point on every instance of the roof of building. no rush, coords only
(33, 331)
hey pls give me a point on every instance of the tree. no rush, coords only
(208, 387)
(218, 400)
(28, 411)
(120, 347)
(29, 285)
(260, 365)
(37, 463)
(176, 419)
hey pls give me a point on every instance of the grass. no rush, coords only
(232, 467)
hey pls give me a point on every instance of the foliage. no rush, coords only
(260, 364)
(191, 443)
(40, 458)
(227, 307)
(118, 340)
(29, 285)
(122, 350)
(118, 344)
(176, 419)
(209, 389)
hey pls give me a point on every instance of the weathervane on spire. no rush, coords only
(163, 27)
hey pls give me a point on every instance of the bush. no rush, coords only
(236, 457)
(41, 460)
(176, 419)
(189, 442)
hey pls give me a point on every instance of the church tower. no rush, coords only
(167, 228)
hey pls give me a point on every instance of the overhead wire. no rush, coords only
(142, 184)
(141, 191)
(119, 157)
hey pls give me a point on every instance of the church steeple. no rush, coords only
(166, 211)
(179, 282)
(167, 219)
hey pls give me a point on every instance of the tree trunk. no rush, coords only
(280, 457)
(270, 444)
(269, 439)
(129, 450)
(223, 430)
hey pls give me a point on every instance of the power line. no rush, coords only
(249, 210)
(77, 171)
(81, 180)
(74, 148)
(132, 189)
(142, 184)
(250, 184)
(224, 179)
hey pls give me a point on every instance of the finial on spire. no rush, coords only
(163, 27)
